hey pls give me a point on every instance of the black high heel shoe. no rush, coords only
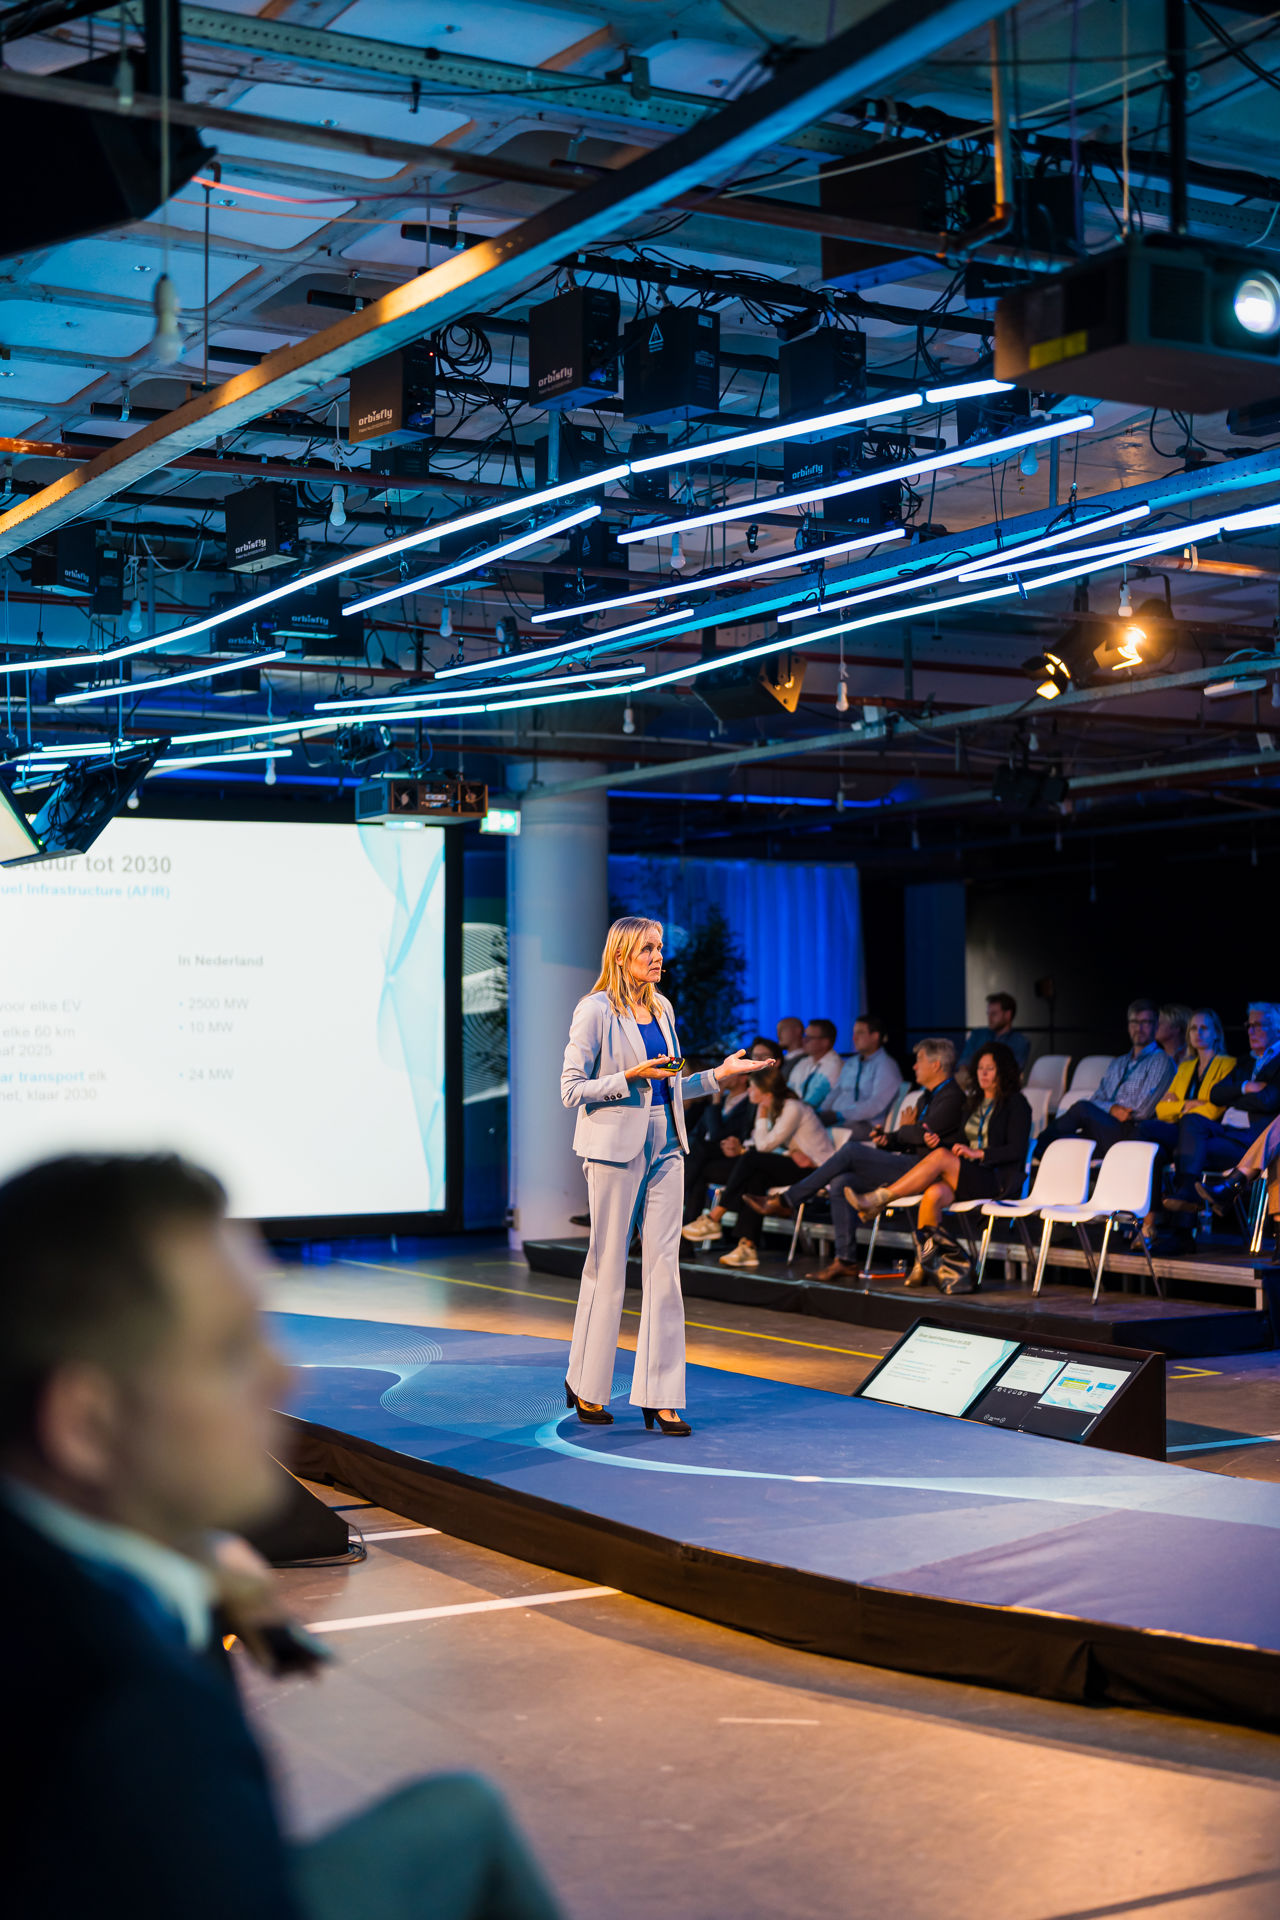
(589, 1416)
(668, 1426)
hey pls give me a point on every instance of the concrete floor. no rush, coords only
(665, 1766)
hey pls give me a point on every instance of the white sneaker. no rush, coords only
(703, 1228)
(743, 1255)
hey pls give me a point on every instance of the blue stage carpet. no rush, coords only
(873, 1532)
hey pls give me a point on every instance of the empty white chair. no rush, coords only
(1061, 1180)
(1086, 1079)
(1040, 1101)
(1049, 1073)
(1122, 1191)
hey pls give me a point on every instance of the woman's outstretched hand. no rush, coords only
(741, 1062)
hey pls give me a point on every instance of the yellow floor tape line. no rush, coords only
(525, 1293)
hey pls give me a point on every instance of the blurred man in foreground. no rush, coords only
(136, 1396)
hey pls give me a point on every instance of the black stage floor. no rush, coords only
(1182, 1328)
(847, 1527)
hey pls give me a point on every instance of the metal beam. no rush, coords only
(892, 36)
(446, 73)
(943, 723)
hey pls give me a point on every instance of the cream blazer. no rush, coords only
(613, 1112)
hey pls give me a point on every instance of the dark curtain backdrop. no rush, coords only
(800, 927)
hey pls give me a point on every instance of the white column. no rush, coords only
(557, 917)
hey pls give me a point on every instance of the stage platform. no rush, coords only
(873, 1533)
(1182, 1328)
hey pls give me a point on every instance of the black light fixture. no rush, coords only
(1144, 639)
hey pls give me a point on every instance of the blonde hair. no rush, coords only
(621, 941)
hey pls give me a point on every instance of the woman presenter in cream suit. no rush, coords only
(622, 1073)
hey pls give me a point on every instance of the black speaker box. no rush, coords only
(671, 365)
(751, 692)
(262, 527)
(573, 348)
(83, 172)
(824, 369)
(393, 400)
(582, 451)
(302, 1527)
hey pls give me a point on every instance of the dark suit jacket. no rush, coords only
(940, 1112)
(139, 1790)
(1008, 1138)
(1260, 1107)
(717, 1123)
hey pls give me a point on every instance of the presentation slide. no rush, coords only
(1087, 1390)
(267, 998)
(939, 1370)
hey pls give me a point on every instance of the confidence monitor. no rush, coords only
(1075, 1390)
(278, 1000)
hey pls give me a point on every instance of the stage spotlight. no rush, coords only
(1050, 673)
(1140, 641)
(1256, 304)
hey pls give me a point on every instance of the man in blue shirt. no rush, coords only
(868, 1082)
(1127, 1093)
(815, 1073)
(1002, 1010)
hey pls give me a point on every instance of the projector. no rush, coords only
(394, 800)
(1160, 322)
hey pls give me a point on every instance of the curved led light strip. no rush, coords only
(476, 561)
(909, 469)
(811, 557)
(974, 569)
(125, 690)
(485, 516)
(366, 701)
(219, 759)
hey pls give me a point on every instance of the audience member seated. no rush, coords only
(1206, 1063)
(1229, 1191)
(987, 1162)
(1002, 1010)
(868, 1082)
(1128, 1092)
(813, 1077)
(719, 1136)
(931, 1120)
(790, 1032)
(136, 1397)
(1172, 1027)
(1250, 1097)
(787, 1135)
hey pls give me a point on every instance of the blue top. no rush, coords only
(655, 1046)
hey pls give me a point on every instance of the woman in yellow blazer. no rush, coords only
(1190, 1091)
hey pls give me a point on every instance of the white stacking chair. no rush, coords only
(1061, 1180)
(1086, 1079)
(1122, 1191)
(1048, 1074)
(1040, 1101)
